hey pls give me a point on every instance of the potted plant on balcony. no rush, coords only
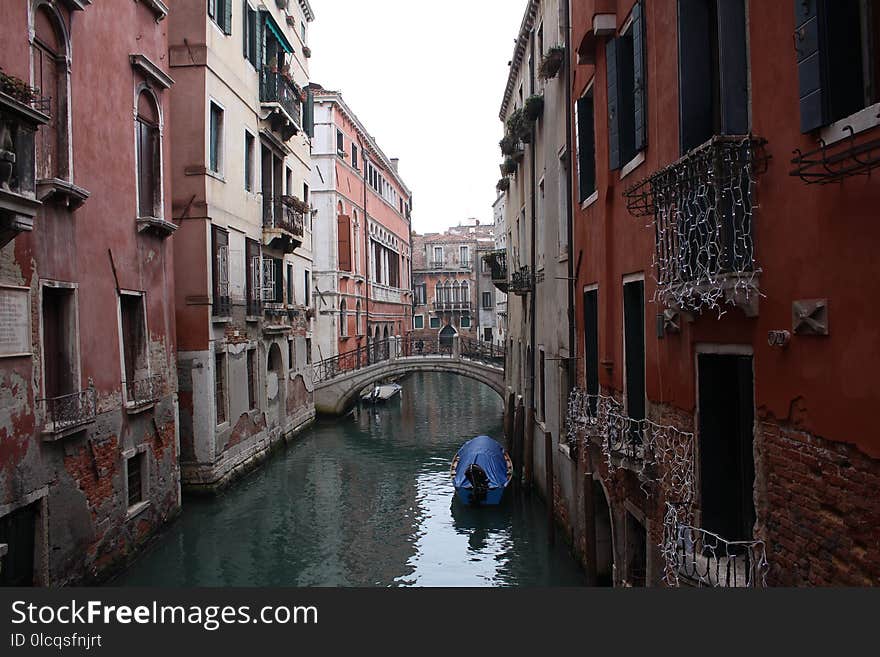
(508, 145)
(552, 63)
(533, 108)
(307, 52)
(508, 168)
(15, 88)
(503, 185)
(519, 127)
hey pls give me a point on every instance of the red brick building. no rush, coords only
(446, 270)
(88, 410)
(726, 339)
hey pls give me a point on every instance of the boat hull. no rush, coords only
(493, 496)
(481, 463)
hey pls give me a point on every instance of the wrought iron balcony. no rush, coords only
(452, 306)
(141, 392)
(522, 281)
(436, 264)
(497, 261)
(284, 97)
(283, 222)
(847, 158)
(69, 411)
(20, 116)
(697, 557)
(703, 208)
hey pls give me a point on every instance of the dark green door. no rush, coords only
(17, 531)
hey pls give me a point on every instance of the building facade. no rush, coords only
(448, 282)
(497, 265)
(725, 360)
(363, 262)
(88, 410)
(241, 174)
(535, 270)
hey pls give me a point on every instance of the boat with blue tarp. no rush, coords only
(481, 470)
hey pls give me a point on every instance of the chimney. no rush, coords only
(394, 162)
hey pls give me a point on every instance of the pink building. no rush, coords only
(362, 247)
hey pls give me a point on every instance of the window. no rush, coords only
(838, 53)
(343, 320)
(249, 161)
(713, 79)
(220, 12)
(487, 334)
(302, 31)
(249, 34)
(220, 303)
(465, 322)
(438, 256)
(134, 337)
(343, 234)
(134, 467)
(253, 265)
(220, 386)
(357, 320)
(307, 288)
(215, 139)
(252, 378)
(288, 180)
(273, 280)
(420, 292)
(149, 170)
(418, 321)
(542, 385)
(487, 300)
(340, 142)
(626, 76)
(290, 284)
(307, 219)
(634, 348)
(465, 292)
(464, 256)
(51, 81)
(435, 322)
(591, 345)
(308, 351)
(59, 342)
(354, 155)
(586, 144)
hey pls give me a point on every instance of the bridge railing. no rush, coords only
(482, 351)
(411, 346)
(351, 361)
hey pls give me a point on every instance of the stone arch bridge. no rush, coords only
(339, 380)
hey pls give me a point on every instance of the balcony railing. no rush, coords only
(452, 306)
(143, 391)
(276, 88)
(280, 212)
(497, 261)
(351, 361)
(697, 557)
(483, 352)
(436, 264)
(703, 208)
(522, 281)
(68, 411)
(413, 345)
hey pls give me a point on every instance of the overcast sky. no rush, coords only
(426, 79)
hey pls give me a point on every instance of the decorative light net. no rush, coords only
(703, 209)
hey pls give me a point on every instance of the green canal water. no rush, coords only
(365, 501)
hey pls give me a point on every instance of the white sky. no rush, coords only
(426, 78)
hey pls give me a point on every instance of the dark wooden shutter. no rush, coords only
(694, 73)
(309, 115)
(586, 147)
(279, 280)
(634, 336)
(591, 343)
(227, 16)
(343, 223)
(613, 104)
(811, 63)
(245, 32)
(733, 56)
(640, 69)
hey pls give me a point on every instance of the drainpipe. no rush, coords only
(530, 421)
(366, 245)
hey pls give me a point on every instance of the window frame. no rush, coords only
(142, 296)
(217, 172)
(250, 149)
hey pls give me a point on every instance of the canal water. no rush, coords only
(365, 501)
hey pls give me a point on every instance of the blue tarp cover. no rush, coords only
(489, 455)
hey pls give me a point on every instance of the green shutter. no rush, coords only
(733, 66)
(694, 73)
(808, 41)
(309, 114)
(227, 16)
(640, 75)
(279, 280)
(613, 104)
(245, 33)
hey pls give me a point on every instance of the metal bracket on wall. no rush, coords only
(810, 317)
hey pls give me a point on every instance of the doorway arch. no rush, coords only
(447, 333)
(603, 526)
(275, 388)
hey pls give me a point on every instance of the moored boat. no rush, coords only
(481, 470)
(381, 393)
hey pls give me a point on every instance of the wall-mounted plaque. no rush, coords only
(15, 321)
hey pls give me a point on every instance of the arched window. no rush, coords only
(455, 292)
(343, 320)
(357, 319)
(438, 292)
(465, 292)
(149, 156)
(49, 53)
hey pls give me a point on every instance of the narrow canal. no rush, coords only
(365, 501)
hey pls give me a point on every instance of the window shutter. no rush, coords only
(245, 33)
(613, 104)
(344, 240)
(279, 280)
(734, 67)
(640, 70)
(694, 73)
(586, 148)
(309, 117)
(227, 16)
(811, 63)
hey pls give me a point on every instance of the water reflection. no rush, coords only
(365, 501)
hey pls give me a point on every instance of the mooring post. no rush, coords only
(529, 448)
(548, 466)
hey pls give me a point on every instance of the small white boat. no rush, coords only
(381, 393)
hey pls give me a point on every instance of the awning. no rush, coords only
(275, 29)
